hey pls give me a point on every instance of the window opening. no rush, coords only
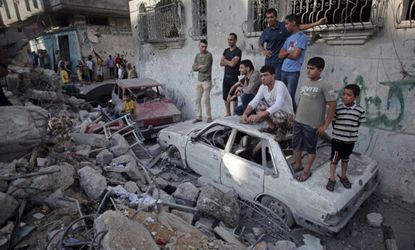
(216, 136)
(27, 5)
(163, 21)
(247, 147)
(35, 4)
(199, 15)
(256, 14)
(6, 7)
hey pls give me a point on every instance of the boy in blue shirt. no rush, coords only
(293, 52)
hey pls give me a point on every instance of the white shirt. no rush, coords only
(90, 65)
(277, 99)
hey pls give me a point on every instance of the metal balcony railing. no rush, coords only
(199, 17)
(405, 14)
(162, 22)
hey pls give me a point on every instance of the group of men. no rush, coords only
(269, 95)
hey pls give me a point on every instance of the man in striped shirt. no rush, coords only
(346, 122)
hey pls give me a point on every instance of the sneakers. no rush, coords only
(196, 120)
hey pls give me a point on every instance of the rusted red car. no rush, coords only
(154, 110)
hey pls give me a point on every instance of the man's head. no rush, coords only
(245, 67)
(314, 68)
(110, 56)
(292, 23)
(203, 44)
(350, 93)
(232, 38)
(271, 17)
(267, 75)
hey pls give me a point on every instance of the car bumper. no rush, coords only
(351, 210)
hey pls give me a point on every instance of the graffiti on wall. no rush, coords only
(386, 112)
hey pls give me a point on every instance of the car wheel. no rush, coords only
(174, 156)
(279, 208)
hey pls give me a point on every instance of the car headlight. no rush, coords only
(333, 219)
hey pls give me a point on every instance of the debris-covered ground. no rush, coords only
(61, 188)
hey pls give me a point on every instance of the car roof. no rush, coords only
(235, 122)
(138, 83)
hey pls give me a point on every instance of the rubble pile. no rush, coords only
(69, 189)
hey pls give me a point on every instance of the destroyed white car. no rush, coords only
(260, 168)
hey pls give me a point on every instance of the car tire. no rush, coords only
(279, 208)
(174, 156)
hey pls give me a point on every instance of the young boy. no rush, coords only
(346, 122)
(310, 120)
(128, 104)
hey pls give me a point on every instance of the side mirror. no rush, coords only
(193, 139)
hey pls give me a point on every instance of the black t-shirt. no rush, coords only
(232, 72)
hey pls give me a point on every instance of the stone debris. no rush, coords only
(213, 202)
(65, 181)
(104, 158)
(285, 245)
(122, 233)
(92, 182)
(8, 207)
(374, 219)
(186, 194)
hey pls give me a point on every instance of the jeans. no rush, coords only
(278, 70)
(203, 89)
(291, 81)
(245, 99)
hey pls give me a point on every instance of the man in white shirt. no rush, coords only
(272, 103)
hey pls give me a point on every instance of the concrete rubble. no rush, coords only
(63, 182)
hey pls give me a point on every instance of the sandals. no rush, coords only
(298, 169)
(330, 185)
(268, 130)
(345, 181)
(301, 178)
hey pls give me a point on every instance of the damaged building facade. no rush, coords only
(369, 43)
(72, 28)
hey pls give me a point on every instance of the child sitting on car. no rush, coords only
(128, 104)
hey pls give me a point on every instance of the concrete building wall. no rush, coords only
(384, 67)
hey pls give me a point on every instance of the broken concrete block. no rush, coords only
(186, 194)
(41, 162)
(260, 246)
(257, 231)
(83, 114)
(285, 245)
(83, 150)
(159, 194)
(25, 129)
(8, 207)
(204, 180)
(93, 140)
(104, 158)
(175, 223)
(374, 219)
(229, 237)
(119, 146)
(123, 233)
(310, 242)
(188, 217)
(154, 150)
(126, 164)
(61, 179)
(217, 204)
(131, 187)
(205, 225)
(92, 182)
(161, 182)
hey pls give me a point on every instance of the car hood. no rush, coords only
(152, 110)
(185, 128)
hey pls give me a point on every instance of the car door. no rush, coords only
(242, 167)
(204, 152)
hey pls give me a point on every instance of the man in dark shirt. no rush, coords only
(230, 60)
(274, 36)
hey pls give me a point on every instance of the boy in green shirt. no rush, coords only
(310, 120)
